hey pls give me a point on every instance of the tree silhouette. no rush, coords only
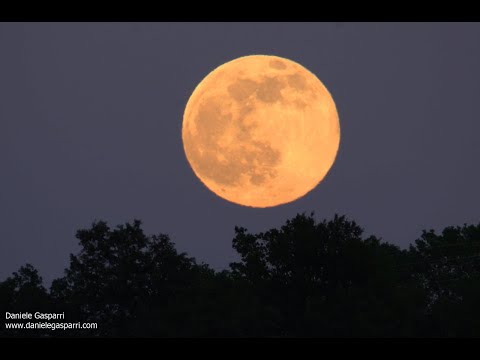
(23, 290)
(304, 279)
(128, 282)
(448, 267)
(321, 279)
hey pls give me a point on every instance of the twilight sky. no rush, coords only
(91, 115)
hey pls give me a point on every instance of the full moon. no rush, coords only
(261, 131)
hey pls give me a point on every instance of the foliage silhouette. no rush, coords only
(305, 279)
(23, 290)
(322, 279)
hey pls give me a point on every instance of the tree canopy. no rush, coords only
(307, 278)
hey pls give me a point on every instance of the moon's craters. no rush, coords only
(297, 81)
(245, 156)
(269, 90)
(211, 121)
(255, 131)
(266, 90)
(277, 64)
(227, 164)
(242, 89)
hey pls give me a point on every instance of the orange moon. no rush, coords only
(261, 131)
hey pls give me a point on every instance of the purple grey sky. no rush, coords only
(90, 128)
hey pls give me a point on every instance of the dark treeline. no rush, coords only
(306, 279)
